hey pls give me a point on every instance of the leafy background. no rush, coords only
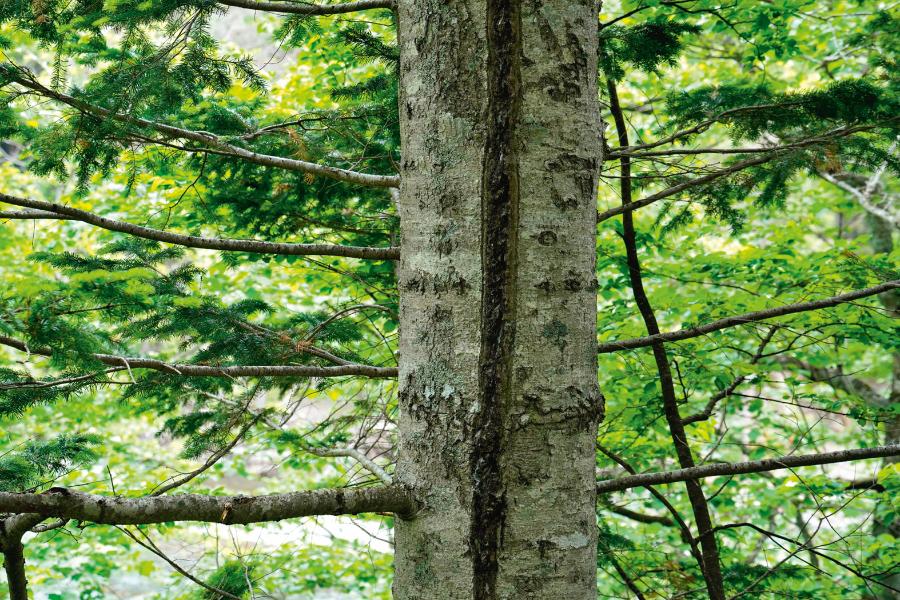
(774, 235)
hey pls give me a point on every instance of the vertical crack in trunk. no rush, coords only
(500, 202)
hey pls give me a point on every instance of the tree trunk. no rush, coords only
(498, 364)
(883, 243)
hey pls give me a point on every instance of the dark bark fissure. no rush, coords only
(708, 546)
(500, 200)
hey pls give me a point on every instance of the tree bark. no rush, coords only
(498, 372)
(11, 531)
(883, 243)
(229, 510)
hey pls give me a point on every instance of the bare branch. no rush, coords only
(208, 464)
(864, 195)
(760, 315)
(30, 215)
(709, 552)
(369, 464)
(729, 390)
(229, 510)
(677, 189)
(152, 547)
(694, 129)
(759, 466)
(836, 378)
(214, 141)
(802, 143)
(724, 172)
(641, 517)
(191, 370)
(305, 8)
(191, 241)
(803, 546)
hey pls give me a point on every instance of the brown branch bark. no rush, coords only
(685, 531)
(760, 315)
(190, 370)
(229, 510)
(729, 390)
(305, 8)
(192, 241)
(712, 571)
(641, 517)
(741, 468)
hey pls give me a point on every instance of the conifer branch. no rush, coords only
(742, 468)
(773, 154)
(760, 315)
(191, 241)
(748, 150)
(305, 8)
(230, 510)
(198, 370)
(678, 188)
(699, 127)
(211, 140)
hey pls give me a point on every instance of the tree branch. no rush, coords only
(150, 546)
(677, 189)
(31, 214)
(213, 141)
(760, 315)
(836, 378)
(190, 370)
(711, 567)
(803, 546)
(304, 8)
(741, 468)
(729, 390)
(738, 166)
(191, 241)
(229, 510)
(802, 143)
(641, 517)
(11, 531)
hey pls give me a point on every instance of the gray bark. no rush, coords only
(230, 510)
(883, 243)
(193, 241)
(303, 8)
(498, 371)
(756, 466)
(11, 531)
